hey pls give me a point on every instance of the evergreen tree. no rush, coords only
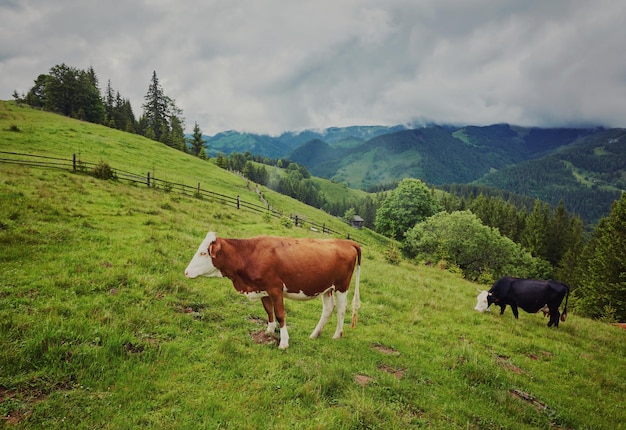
(177, 132)
(87, 97)
(559, 235)
(196, 141)
(162, 120)
(110, 107)
(602, 290)
(221, 161)
(367, 211)
(124, 116)
(569, 267)
(60, 89)
(535, 235)
(263, 175)
(156, 110)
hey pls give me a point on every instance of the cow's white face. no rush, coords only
(202, 264)
(483, 303)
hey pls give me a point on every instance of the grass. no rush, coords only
(99, 328)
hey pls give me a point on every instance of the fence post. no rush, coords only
(296, 220)
(148, 180)
(74, 162)
(198, 189)
(323, 228)
(238, 202)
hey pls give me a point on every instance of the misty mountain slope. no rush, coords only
(281, 146)
(233, 141)
(588, 174)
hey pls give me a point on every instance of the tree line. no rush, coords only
(76, 93)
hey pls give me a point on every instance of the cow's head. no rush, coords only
(202, 263)
(483, 301)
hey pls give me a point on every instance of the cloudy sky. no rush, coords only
(268, 66)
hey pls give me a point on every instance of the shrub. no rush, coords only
(103, 171)
(479, 251)
(286, 222)
(392, 254)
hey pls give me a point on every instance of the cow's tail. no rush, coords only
(564, 314)
(356, 300)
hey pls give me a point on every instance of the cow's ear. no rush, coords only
(214, 248)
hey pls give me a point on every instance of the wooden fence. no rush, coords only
(77, 165)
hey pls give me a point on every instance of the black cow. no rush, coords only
(529, 294)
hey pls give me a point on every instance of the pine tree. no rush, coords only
(156, 109)
(87, 97)
(535, 235)
(196, 141)
(602, 290)
(177, 132)
(221, 160)
(558, 234)
(60, 89)
(125, 118)
(110, 107)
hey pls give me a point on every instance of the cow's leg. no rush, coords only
(279, 312)
(502, 308)
(342, 303)
(554, 317)
(269, 308)
(328, 304)
(515, 311)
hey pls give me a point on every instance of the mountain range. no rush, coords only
(584, 167)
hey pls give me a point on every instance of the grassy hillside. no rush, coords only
(100, 329)
(333, 191)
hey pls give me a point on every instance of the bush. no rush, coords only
(410, 203)
(286, 222)
(104, 171)
(479, 251)
(392, 254)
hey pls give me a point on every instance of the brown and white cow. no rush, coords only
(271, 268)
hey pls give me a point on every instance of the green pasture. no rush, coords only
(100, 329)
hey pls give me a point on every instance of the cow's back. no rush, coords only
(310, 264)
(532, 294)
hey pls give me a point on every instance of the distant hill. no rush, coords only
(280, 146)
(368, 155)
(585, 167)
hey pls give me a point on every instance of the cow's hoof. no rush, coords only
(271, 327)
(283, 346)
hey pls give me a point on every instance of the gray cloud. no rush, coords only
(283, 65)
